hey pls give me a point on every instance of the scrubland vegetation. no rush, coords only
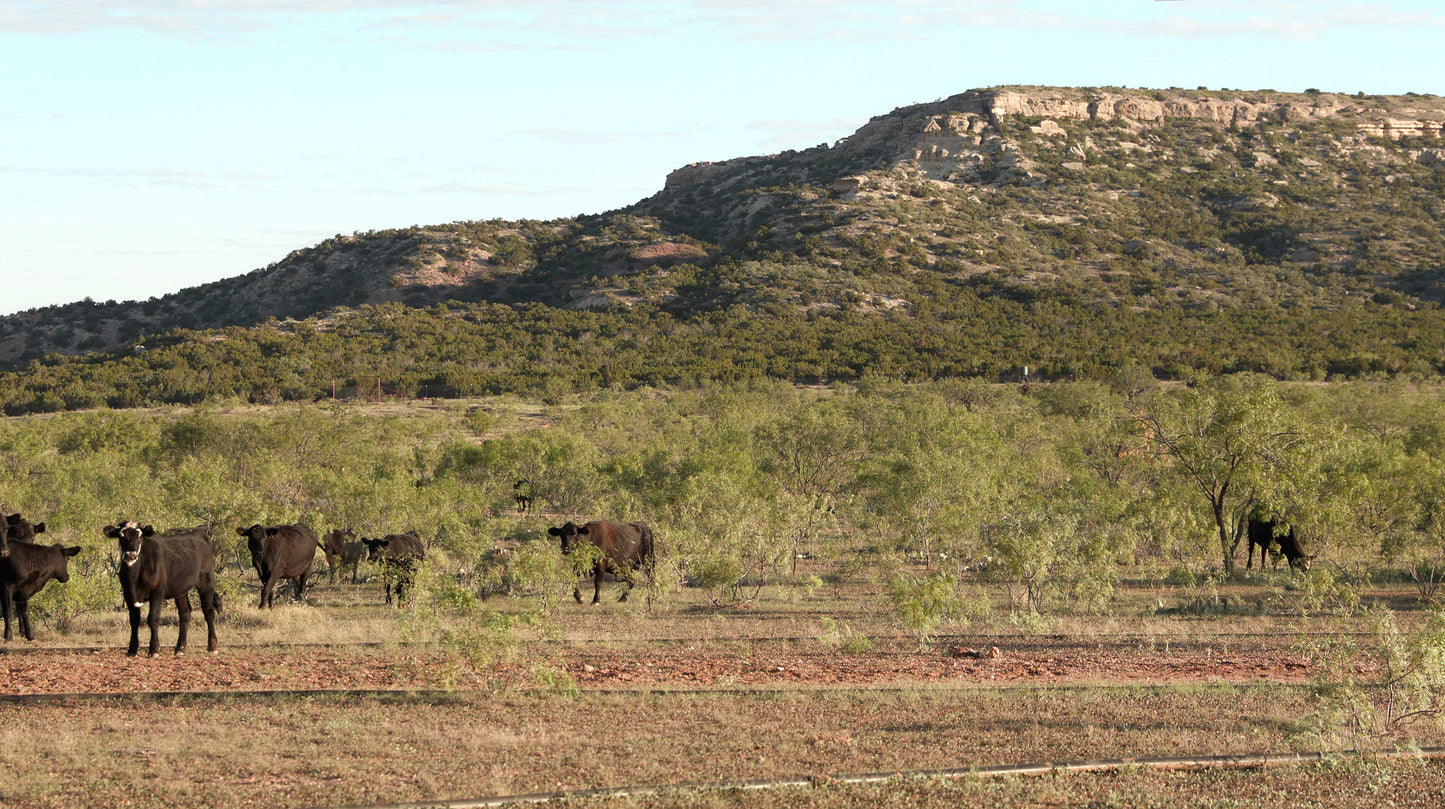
(855, 521)
(1048, 493)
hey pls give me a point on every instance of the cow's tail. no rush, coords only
(649, 554)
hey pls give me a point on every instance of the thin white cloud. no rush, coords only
(499, 25)
(575, 137)
(173, 176)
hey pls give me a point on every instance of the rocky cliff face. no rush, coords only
(1196, 189)
(940, 132)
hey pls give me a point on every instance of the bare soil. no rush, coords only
(672, 693)
(757, 664)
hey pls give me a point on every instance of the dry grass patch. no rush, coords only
(248, 751)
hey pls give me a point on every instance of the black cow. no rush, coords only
(625, 547)
(280, 552)
(155, 568)
(1263, 533)
(522, 493)
(18, 528)
(399, 555)
(342, 550)
(25, 569)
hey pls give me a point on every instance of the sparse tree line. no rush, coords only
(955, 495)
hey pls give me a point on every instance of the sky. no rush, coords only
(154, 145)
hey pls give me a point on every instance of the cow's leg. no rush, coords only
(208, 609)
(183, 612)
(268, 589)
(301, 586)
(134, 610)
(8, 609)
(153, 620)
(22, 611)
(1249, 559)
(597, 584)
(403, 581)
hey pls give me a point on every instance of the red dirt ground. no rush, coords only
(1031, 661)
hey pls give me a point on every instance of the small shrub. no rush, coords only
(1365, 708)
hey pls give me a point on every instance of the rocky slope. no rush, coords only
(1126, 197)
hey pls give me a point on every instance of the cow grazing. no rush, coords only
(280, 552)
(625, 547)
(1262, 533)
(522, 493)
(399, 556)
(24, 570)
(154, 568)
(342, 550)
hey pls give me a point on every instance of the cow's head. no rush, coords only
(129, 535)
(22, 529)
(332, 541)
(255, 536)
(1302, 561)
(571, 535)
(375, 548)
(63, 574)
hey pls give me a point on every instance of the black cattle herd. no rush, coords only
(156, 567)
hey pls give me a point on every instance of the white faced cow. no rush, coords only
(624, 547)
(156, 568)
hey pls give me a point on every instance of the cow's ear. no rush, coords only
(272, 531)
(147, 531)
(243, 532)
(40, 528)
(555, 531)
(70, 551)
(582, 532)
(13, 519)
(110, 531)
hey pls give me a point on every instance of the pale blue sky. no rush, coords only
(154, 145)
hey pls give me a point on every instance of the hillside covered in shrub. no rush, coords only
(1074, 231)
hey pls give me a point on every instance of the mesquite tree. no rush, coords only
(1232, 441)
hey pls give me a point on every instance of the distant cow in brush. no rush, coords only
(154, 568)
(25, 568)
(522, 493)
(399, 555)
(624, 547)
(280, 552)
(19, 528)
(342, 550)
(1263, 534)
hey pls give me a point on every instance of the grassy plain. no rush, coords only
(770, 691)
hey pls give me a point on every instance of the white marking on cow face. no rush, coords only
(130, 543)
